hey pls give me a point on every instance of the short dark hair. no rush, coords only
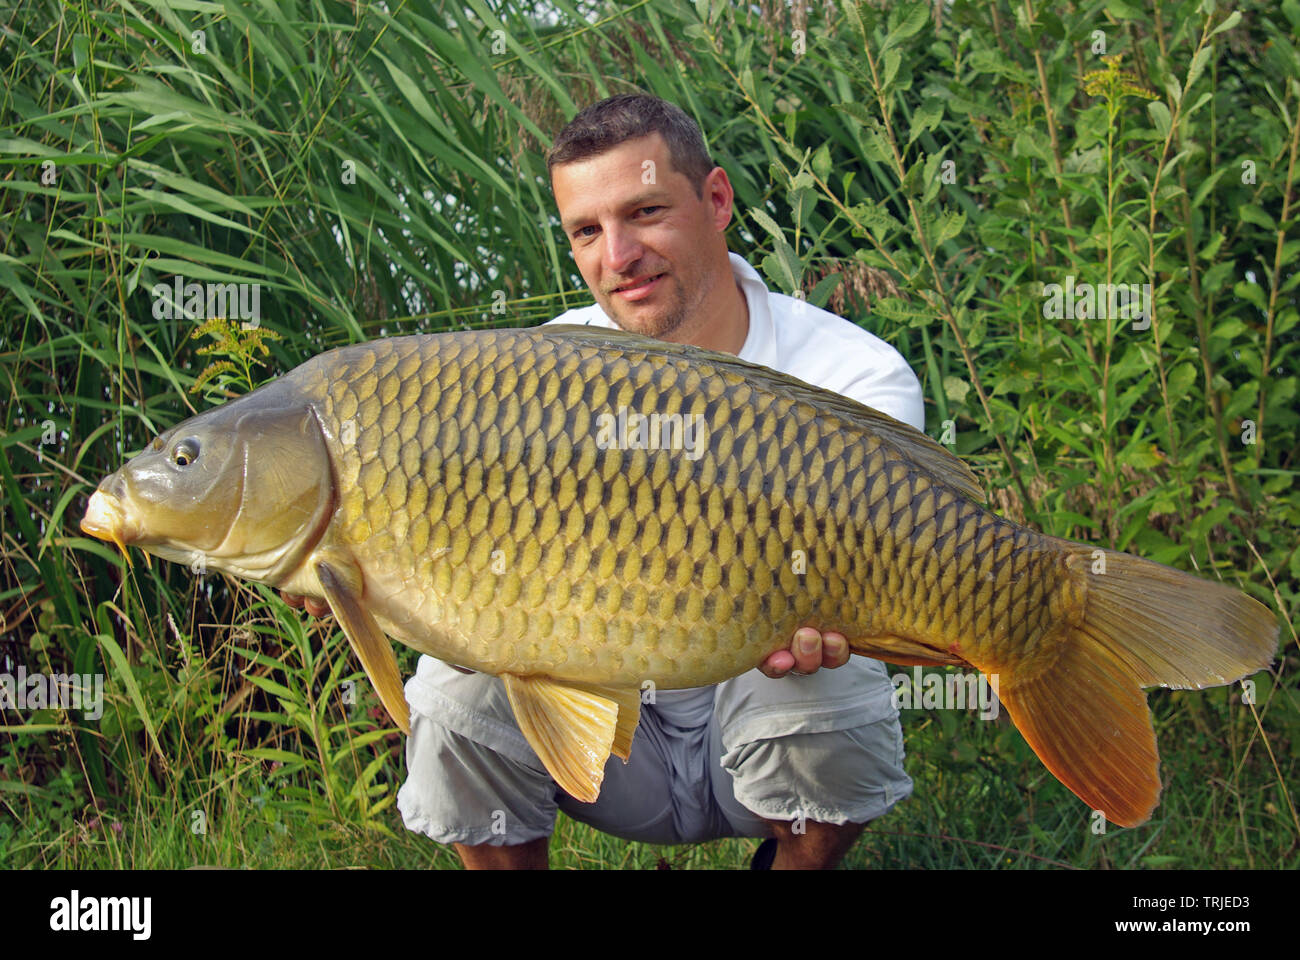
(607, 123)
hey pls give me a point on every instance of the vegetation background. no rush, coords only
(923, 169)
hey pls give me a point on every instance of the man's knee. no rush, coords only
(471, 778)
(843, 776)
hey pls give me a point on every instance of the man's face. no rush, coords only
(646, 245)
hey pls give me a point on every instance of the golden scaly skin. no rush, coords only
(495, 533)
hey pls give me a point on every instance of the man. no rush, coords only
(806, 760)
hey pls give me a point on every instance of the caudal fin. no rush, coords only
(1144, 625)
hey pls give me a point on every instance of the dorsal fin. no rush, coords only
(904, 439)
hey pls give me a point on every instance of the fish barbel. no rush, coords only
(580, 510)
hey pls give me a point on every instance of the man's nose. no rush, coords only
(622, 249)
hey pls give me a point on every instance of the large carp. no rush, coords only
(580, 510)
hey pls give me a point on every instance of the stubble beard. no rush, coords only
(661, 326)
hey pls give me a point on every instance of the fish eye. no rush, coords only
(185, 452)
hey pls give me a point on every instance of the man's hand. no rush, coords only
(808, 652)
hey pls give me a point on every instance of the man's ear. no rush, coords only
(720, 197)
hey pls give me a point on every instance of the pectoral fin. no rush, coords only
(574, 731)
(372, 647)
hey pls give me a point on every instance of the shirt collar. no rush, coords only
(760, 342)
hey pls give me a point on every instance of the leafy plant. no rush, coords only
(240, 345)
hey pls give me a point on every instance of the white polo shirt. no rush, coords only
(814, 345)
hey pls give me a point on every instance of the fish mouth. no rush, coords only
(105, 519)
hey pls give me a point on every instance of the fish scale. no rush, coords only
(457, 492)
(508, 442)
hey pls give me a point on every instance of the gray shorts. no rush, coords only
(827, 748)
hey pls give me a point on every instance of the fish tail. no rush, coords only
(1134, 623)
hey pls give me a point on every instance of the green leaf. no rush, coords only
(200, 191)
(1140, 456)
(1231, 21)
(893, 59)
(877, 148)
(1199, 60)
(802, 203)
(1206, 186)
(1214, 278)
(825, 287)
(1180, 380)
(854, 18)
(1229, 328)
(950, 224)
(1251, 292)
(916, 17)
(762, 218)
(1253, 213)
(821, 162)
(913, 180)
(184, 206)
(126, 677)
(782, 265)
(894, 308)
(274, 688)
(927, 117)
(874, 218)
(1030, 143)
(992, 61)
(933, 177)
(858, 112)
(779, 272)
(80, 51)
(1160, 115)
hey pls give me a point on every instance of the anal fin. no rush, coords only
(574, 730)
(629, 714)
(371, 645)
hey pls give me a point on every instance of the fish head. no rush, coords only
(246, 488)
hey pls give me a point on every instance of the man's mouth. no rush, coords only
(640, 288)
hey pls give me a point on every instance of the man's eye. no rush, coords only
(652, 209)
(581, 232)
